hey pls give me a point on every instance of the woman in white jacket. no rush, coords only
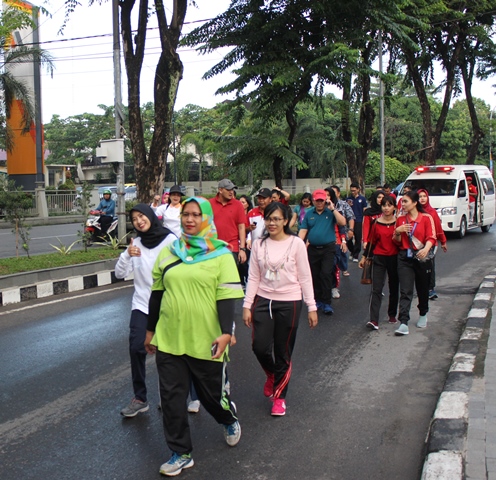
(140, 258)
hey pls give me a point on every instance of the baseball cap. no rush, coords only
(264, 192)
(319, 195)
(227, 184)
(469, 178)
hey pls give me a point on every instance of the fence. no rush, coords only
(59, 203)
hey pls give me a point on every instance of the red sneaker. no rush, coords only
(393, 320)
(373, 325)
(278, 407)
(269, 386)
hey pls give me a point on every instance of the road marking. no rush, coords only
(29, 307)
(56, 236)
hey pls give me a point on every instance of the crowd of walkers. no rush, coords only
(193, 258)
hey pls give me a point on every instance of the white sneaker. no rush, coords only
(355, 260)
(402, 330)
(422, 321)
(194, 406)
(335, 293)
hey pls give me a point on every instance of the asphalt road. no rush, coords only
(359, 402)
(41, 238)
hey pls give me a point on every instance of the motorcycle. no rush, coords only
(93, 226)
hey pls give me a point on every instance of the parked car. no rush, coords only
(130, 191)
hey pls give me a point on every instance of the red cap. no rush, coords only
(319, 195)
(469, 178)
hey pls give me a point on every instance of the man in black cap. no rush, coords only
(230, 219)
(256, 215)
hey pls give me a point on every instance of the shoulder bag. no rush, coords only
(369, 259)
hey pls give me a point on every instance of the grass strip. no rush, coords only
(9, 266)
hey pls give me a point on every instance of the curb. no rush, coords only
(58, 287)
(447, 437)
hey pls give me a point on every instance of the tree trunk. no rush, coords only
(134, 48)
(277, 170)
(366, 121)
(477, 133)
(418, 84)
(448, 50)
(346, 129)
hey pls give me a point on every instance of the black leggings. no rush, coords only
(274, 333)
(384, 264)
(412, 273)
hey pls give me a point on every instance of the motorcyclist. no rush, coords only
(106, 210)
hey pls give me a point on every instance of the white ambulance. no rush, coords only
(448, 194)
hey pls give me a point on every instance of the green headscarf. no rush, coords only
(205, 245)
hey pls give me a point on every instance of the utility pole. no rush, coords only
(121, 203)
(491, 141)
(381, 112)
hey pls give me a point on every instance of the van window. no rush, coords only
(487, 185)
(435, 186)
(462, 189)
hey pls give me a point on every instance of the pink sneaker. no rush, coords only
(269, 386)
(278, 407)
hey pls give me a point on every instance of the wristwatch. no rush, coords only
(243, 248)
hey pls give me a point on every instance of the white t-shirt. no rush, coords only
(142, 267)
(171, 218)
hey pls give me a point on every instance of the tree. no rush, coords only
(280, 49)
(150, 164)
(478, 58)
(12, 87)
(74, 138)
(16, 205)
(447, 36)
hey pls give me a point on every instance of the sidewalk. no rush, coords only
(481, 437)
(462, 439)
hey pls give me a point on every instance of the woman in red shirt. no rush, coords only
(415, 235)
(380, 239)
(424, 201)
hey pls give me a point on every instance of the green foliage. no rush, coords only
(113, 243)
(396, 172)
(15, 205)
(68, 185)
(75, 138)
(62, 248)
(9, 266)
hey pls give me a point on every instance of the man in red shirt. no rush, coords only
(472, 197)
(230, 219)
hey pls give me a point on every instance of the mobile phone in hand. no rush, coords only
(214, 349)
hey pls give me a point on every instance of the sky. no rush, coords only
(83, 75)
